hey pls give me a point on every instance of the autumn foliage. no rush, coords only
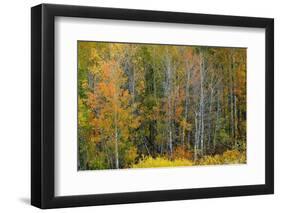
(143, 105)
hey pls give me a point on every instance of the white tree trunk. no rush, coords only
(169, 99)
(116, 132)
(196, 137)
(202, 69)
(217, 120)
(186, 102)
(210, 117)
(116, 141)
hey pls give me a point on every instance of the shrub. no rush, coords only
(130, 156)
(228, 157)
(210, 160)
(149, 162)
(98, 163)
(182, 153)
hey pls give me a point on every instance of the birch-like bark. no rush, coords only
(235, 102)
(217, 120)
(116, 131)
(202, 69)
(170, 112)
(154, 76)
(231, 96)
(186, 102)
(210, 117)
(168, 93)
(130, 71)
(116, 140)
(196, 137)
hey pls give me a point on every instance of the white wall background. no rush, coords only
(15, 105)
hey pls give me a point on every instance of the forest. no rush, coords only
(154, 105)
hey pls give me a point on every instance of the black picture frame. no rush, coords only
(43, 102)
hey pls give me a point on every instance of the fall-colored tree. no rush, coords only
(146, 105)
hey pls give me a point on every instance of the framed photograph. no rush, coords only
(139, 106)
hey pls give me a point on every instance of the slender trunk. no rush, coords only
(116, 130)
(231, 97)
(199, 126)
(183, 136)
(188, 139)
(186, 103)
(234, 102)
(155, 97)
(154, 76)
(235, 120)
(196, 137)
(217, 120)
(130, 71)
(116, 140)
(147, 149)
(91, 81)
(133, 86)
(210, 117)
(202, 69)
(170, 123)
(169, 93)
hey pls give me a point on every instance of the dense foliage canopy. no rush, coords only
(143, 105)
